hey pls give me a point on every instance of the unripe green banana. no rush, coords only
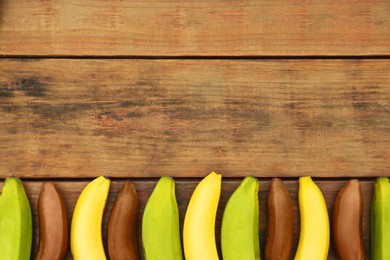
(380, 220)
(15, 221)
(160, 223)
(240, 223)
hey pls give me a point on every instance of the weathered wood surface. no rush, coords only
(195, 28)
(184, 189)
(185, 118)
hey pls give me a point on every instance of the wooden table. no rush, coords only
(140, 89)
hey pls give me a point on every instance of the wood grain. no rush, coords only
(195, 28)
(185, 118)
(184, 189)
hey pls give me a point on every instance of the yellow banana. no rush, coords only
(160, 223)
(15, 221)
(240, 223)
(199, 221)
(86, 234)
(314, 235)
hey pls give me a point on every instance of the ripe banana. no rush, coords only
(15, 221)
(53, 224)
(160, 223)
(199, 221)
(280, 218)
(314, 234)
(122, 225)
(240, 223)
(86, 234)
(380, 220)
(347, 222)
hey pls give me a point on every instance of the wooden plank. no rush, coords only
(184, 189)
(160, 28)
(185, 118)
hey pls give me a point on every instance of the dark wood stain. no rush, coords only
(60, 111)
(31, 86)
(5, 92)
(109, 115)
(360, 105)
(8, 107)
(134, 114)
(132, 103)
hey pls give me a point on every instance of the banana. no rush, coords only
(347, 222)
(160, 223)
(314, 234)
(240, 223)
(280, 218)
(199, 222)
(86, 234)
(53, 224)
(15, 221)
(380, 220)
(122, 225)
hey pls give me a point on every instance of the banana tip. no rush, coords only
(215, 175)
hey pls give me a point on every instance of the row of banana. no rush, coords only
(161, 229)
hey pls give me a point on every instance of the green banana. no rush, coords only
(15, 221)
(240, 223)
(160, 223)
(380, 220)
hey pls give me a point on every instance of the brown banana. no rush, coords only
(280, 217)
(53, 223)
(122, 224)
(347, 222)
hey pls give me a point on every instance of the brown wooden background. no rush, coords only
(140, 89)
